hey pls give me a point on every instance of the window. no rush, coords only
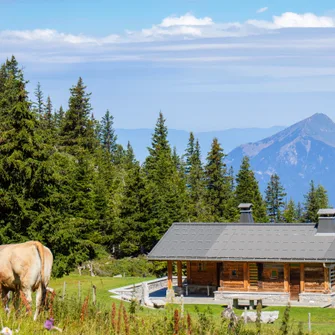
(274, 274)
(234, 274)
(201, 267)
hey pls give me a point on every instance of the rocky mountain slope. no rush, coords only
(298, 154)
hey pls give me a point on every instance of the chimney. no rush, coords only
(246, 213)
(326, 223)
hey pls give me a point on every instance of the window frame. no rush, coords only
(232, 275)
(202, 267)
(271, 274)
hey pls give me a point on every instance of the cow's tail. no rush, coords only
(40, 249)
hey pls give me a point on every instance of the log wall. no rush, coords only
(314, 278)
(230, 282)
(207, 275)
(270, 284)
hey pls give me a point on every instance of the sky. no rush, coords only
(207, 65)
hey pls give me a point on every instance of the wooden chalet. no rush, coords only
(275, 262)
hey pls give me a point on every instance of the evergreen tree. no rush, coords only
(59, 118)
(189, 154)
(198, 209)
(78, 131)
(108, 136)
(290, 212)
(315, 199)
(25, 179)
(322, 197)
(300, 212)
(217, 182)
(165, 190)
(48, 115)
(247, 191)
(39, 100)
(133, 213)
(274, 197)
(311, 204)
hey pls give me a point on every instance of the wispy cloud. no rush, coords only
(179, 39)
(262, 10)
(184, 27)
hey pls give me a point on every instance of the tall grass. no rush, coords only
(82, 317)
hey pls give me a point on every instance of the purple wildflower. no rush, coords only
(49, 323)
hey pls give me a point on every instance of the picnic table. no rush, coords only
(250, 297)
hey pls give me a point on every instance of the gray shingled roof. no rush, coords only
(237, 242)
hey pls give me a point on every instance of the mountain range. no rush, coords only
(300, 153)
(140, 139)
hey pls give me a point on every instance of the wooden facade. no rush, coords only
(292, 278)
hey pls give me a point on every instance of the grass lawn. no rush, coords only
(323, 319)
(103, 284)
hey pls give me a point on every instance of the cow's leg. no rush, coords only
(5, 297)
(40, 300)
(26, 298)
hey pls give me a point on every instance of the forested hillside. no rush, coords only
(65, 181)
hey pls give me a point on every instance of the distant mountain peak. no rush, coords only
(298, 154)
(318, 127)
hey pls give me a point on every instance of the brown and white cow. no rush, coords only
(26, 268)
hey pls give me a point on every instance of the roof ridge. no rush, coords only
(271, 224)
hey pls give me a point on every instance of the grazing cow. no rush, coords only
(25, 268)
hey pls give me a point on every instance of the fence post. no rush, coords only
(94, 296)
(64, 290)
(182, 306)
(309, 322)
(79, 293)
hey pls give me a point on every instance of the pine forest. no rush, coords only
(65, 180)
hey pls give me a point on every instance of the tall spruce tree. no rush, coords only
(107, 134)
(48, 115)
(59, 118)
(315, 199)
(217, 182)
(78, 130)
(165, 190)
(274, 198)
(247, 191)
(290, 212)
(39, 100)
(198, 209)
(25, 181)
(133, 212)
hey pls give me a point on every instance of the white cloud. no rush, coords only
(294, 20)
(171, 28)
(186, 39)
(186, 20)
(262, 10)
(308, 20)
(51, 35)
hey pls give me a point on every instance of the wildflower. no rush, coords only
(6, 331)
(49, 325)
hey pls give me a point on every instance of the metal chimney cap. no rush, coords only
(326, 211)
(245, 206)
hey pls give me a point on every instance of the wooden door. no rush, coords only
(294, 283)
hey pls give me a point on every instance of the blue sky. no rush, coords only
(208, 65)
